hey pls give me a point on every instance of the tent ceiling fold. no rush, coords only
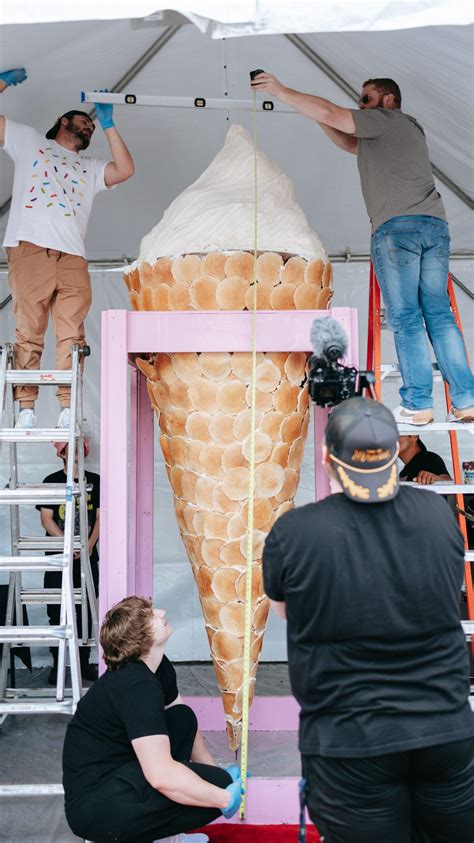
(234, 18)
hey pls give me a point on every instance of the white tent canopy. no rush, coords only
(172, 146)
(230, 18)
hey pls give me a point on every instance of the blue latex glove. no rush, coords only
(236, 791)
(104, 111)
(234, 772)
(14, 77)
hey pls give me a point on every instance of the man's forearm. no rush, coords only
(344, 141)
(3, 85)
(187, 788)
(122, 160)
(95, 532)
(316, 108)
(51, 527)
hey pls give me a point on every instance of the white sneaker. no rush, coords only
(26, 419)
(416, 417)
(64, 419)
(464, 416)
(184, 838)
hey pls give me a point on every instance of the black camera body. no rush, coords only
(330, 382)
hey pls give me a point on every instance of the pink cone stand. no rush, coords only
(126, 467)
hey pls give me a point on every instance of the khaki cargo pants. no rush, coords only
(43, 280)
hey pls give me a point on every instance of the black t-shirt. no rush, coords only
(423, 461)
(120, 706)
(376, 652)
(93, 504)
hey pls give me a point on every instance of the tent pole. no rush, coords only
(329, 71)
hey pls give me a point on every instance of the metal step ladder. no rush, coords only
(382, 372)
(45, 553)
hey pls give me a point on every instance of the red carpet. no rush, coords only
(258, 834)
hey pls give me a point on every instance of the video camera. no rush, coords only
(330, 382)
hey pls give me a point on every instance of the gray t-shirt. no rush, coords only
(394, 166)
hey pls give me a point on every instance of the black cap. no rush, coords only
(51, 134)
(362, 441)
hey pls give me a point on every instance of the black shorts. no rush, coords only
(421, 796)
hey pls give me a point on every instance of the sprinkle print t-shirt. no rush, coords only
(53, 191)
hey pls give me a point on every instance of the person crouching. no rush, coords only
(135, 766)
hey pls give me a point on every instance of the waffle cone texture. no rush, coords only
(203, 405)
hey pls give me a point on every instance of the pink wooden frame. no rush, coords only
(126, 506)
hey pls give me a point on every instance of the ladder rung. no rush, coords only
(35, 434)
(442, 488)
(30, 634)
(31, 789)
(43, 377)
(36, 707)
(36, 493)
(44, 543)
(459, 427)
(469, 555)
(395, 367)
(468, 627)
(43, 596)
(32, 563)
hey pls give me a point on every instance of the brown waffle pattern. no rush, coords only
(203, 404)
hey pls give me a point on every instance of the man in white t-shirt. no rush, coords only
(53, 190)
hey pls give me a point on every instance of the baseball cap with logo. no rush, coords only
(362, 442)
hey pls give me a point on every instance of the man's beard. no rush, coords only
(82, 137)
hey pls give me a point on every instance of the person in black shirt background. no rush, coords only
(135, 766)
(420, 465)
(369, 580)
(52, 519)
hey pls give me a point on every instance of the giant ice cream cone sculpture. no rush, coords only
(203, 400)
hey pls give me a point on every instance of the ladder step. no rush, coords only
(395, 367)
(32, 563)
(468, 627)
(31, 790)
(44, 543)
(44, 377)
(36, 493)
(469, 555)
(43, 596)
(442, 488)
(36, 707)
(35, 434)
(32, 634)
(459, 427)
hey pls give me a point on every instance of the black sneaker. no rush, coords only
(89, 672)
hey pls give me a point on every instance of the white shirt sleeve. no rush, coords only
(99, 176)
(16, 136)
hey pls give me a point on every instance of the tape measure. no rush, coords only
(248, 576)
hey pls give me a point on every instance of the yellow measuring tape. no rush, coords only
(248, 578)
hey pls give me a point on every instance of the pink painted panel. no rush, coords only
(267, 714)
(144, 499)
(271, 802)
(277, 330)
(113, 461)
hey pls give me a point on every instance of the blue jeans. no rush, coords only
(410, 255)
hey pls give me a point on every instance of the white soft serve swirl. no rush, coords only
(216, 213)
